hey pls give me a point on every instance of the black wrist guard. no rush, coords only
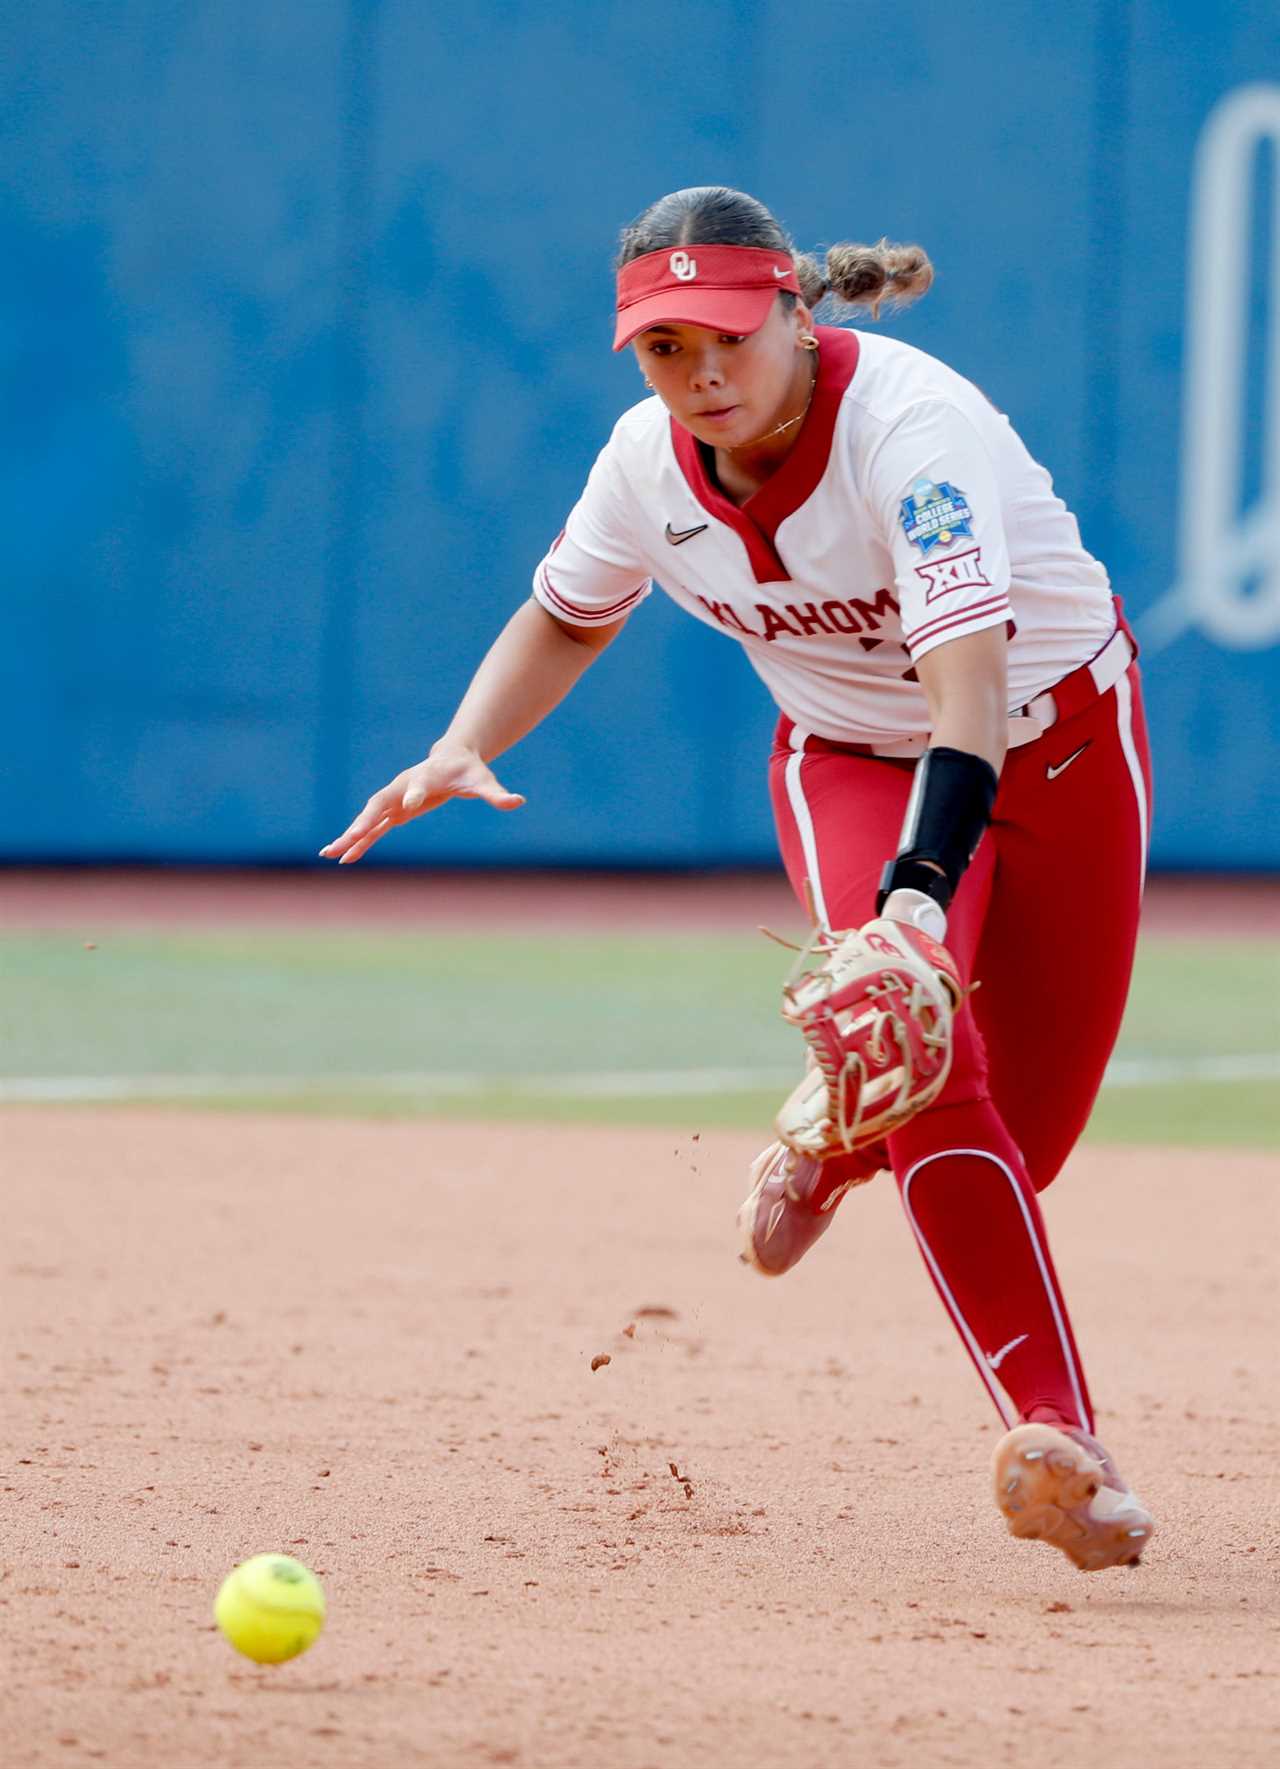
(949, 808)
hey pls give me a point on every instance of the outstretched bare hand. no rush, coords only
(447, 773)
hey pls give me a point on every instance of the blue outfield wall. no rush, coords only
(306, 355)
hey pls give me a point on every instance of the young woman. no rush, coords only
(961, 747)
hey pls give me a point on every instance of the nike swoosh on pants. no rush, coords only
(998, 1357)
(1053, 770)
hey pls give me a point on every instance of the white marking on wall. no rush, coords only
(1228, 583)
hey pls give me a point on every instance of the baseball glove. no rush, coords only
(875, 1007)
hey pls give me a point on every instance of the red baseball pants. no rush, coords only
(1046, 920)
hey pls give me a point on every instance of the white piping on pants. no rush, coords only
(1124, 722)
(907, 835)
(804, 823)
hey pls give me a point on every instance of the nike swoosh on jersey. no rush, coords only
(679, 536)
(1052, 772)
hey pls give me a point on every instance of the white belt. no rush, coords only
(1106, 669)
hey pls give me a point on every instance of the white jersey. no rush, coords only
(908, 513)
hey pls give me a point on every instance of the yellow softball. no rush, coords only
(270, 1608)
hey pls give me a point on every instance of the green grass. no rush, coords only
(325, 1003)
(369, 1025)
(1194, 1115)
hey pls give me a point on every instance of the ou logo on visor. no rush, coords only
(683, 266)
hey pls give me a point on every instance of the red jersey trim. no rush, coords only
(961, 617)
(757, 521)
(583, 616)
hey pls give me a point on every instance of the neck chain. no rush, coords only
(779, 428)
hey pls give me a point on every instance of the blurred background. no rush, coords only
(306, 356)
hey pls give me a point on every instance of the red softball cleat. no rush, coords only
(793, 1199)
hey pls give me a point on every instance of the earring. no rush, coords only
(648, 383)
(808, 341)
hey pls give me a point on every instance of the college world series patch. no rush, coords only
(935, 515)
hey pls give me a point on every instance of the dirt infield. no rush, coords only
(371, 1345)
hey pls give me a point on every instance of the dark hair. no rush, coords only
(713, 215)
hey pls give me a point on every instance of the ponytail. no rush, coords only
(866, 276)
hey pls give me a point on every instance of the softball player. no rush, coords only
(960, 764)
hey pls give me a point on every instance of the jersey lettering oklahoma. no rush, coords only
(908, 513)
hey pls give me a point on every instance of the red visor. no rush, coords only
(725, 288)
